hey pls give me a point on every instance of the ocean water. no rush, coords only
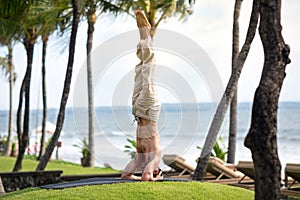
(182, 128)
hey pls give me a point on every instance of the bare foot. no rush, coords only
(143, 24)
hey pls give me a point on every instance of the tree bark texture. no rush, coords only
(91, 22)
(234, 103)
(262, 136)
(25, 90)
(66, 90)
(11, 114)
(227, 96)
(44, 91)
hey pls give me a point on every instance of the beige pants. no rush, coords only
(145, 103)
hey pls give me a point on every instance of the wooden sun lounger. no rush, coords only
(215, 166)
(247, 168)
(218, 168)
(292, 170)
(178, 163)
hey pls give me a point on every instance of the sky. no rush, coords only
(210, 27)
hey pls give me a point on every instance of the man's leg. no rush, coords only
(145, 103)
(144, 29)
(143, 24)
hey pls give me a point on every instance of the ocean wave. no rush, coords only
(118, 133)
(99, 133)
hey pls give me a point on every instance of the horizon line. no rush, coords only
(167, 103)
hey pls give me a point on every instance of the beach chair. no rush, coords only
(292, 171)
(178, 164)
(247, 179)
(247, 168)
(217, 167)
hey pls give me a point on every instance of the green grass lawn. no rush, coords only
(7, 164)
(141, 190)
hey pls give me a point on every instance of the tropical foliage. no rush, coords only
(9, 33)
(219, 149)
(158, 10)
(131, 148)
(84, 147)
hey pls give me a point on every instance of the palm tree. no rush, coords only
(90, 10)
(61, 115)
(158, 10)
(31, 29)
(227, 96)
(233, 105)
(53, 18)
(7, 64)
(44, 92)
(23, 139)
(10, 12)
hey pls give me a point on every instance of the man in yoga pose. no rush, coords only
(145, 108)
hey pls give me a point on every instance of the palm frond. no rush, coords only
(130, 149)
(9, 31)
(159, 9)
(4, 66)
(112, 7)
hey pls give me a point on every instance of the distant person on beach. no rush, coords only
(145, 108)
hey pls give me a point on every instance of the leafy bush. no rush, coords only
(84, 146)
(219, 149)
(130, 149)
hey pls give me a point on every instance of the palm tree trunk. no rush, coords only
(233, 105)
(227, 96)
(42, 145)
(89, 45)
(61, 114)
(19, 112)
(11, 115)
(262, 136)
(25, 90)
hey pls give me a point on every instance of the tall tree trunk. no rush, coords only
(61, 114)
(42, 145)
(25, 90)
(91, 22)
(262, 136)
(11, 114)
(233, 105)
(227, 96)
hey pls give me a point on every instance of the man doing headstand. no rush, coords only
(145, 108)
